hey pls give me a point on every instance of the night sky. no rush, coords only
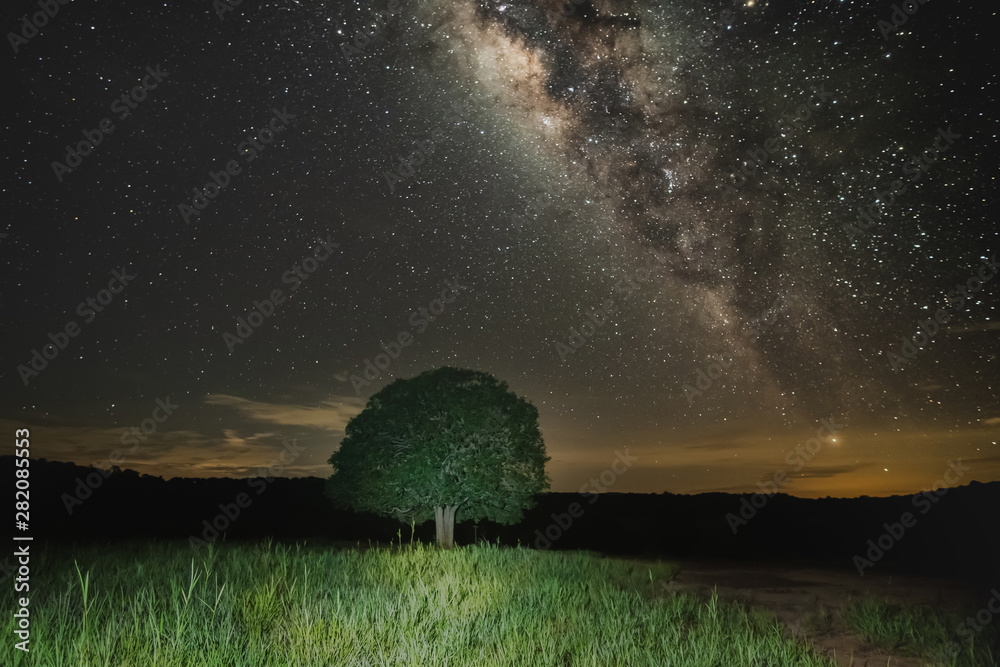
(689, 231)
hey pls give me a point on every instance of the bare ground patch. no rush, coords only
(808, 600)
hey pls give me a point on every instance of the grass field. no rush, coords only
(151, 604)
(921, 631)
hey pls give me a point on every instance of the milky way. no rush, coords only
(649, 122)
(656, 211)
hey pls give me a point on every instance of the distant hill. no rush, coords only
(954, 534)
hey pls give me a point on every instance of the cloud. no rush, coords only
(992, 421)
(814, 472)
(715, 446)
(328, 415)
(794, 479)
(87, 445)
(179, 453)
(733, 488)
(983, 460)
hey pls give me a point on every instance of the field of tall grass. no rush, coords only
(157, 603)
(922, 631)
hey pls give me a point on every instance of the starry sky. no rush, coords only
(702, 233)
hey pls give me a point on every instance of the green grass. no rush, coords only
(921, 631)
(153, 604)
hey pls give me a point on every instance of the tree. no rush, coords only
(447, 440)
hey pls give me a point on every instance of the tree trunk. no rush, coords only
(444, 524)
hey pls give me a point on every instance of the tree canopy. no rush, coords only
(446, 440)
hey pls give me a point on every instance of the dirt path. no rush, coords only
(808, 601)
